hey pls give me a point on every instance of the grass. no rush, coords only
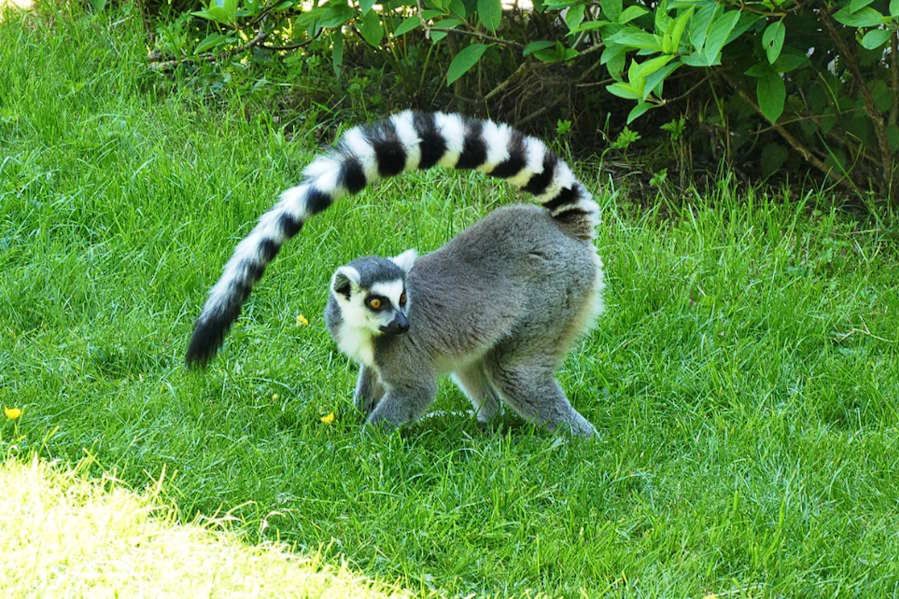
(745, 375)
(65, 536)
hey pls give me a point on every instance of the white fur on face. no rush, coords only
(392, 290)
(360, 325)
(356, 333)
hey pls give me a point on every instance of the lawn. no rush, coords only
(745, 376)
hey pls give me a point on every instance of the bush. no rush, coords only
(769, 86)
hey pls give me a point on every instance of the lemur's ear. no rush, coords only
(344, 280)
(406, 260)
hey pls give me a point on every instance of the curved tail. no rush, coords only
(403, 142)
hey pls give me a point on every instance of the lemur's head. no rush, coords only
(371, 294)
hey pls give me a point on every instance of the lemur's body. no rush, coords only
(498, 306)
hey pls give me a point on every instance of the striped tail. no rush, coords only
(403, 142)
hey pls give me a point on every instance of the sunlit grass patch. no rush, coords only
(63, 535)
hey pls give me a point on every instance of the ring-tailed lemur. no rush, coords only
(498, 306)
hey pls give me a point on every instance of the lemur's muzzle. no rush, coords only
(399, 324)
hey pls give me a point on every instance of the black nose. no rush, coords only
(399, 324)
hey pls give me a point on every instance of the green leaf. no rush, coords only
(649, 67)
(623, 90)
(876, 38)
(773, 157)
(857, 5)
(746, 21)
(575, 16)
(790, 60)
(894, 8)
(457, 7)
(771, 94)
(337, 51)
(436, 36)
(611, 9)
(335, 16)
(447, 23)
(758, 70)
(866, 17)
(677, 32)
(881, 94)
(490, 13)
(773, 40)
(224, 11)
(630, 13)
(893, 137)
(430, 13)
(213, 40)
(591, 26)
(537, 46)
(220, 11)
(638, 110)
(464, 61)
(696, 60)
(631, 37)
(366, 5)
(654, 82)
(98, 5)
(718, 35)
(613, 57)
(407, 25)
(371, 29)
(699, 25)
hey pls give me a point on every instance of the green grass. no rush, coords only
(745, 375)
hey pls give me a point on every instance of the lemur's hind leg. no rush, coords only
(473, 382)
(369, 390)
(404, 402)
(532, 391)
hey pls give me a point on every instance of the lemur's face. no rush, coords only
(372, 296)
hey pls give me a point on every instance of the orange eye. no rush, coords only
(374, 303)
(403, 299)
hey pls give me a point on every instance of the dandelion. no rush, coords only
(302, 321)
(12, 413)
(328, 419)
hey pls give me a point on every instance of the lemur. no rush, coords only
(498, 307)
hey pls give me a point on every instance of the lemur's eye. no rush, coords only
(403, 299)
(374, 303)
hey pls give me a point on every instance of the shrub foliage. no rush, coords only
(776, 85)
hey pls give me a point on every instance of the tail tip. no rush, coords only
(205, 342)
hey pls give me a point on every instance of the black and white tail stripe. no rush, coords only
(403, 142)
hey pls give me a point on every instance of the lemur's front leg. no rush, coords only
(369, 390)
(403, 402)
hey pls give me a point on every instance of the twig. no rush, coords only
(478, 34)
(535, 114)
(894, 76)
(846, 53)
(505, 82)
(167, 65)
(292, 46)
(795, 143)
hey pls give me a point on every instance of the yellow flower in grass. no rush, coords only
(12, 413)
(328, 419)
(302, 321)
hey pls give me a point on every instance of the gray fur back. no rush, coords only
(517, 276)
